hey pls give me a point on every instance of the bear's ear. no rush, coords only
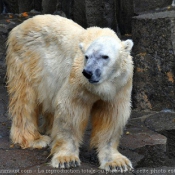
(128, 44)
(81, 46)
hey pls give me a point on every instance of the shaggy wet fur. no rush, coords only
(44, 71)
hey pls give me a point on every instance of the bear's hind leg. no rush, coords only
(24, 112)
(107, 126)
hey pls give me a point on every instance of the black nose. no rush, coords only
(87, 74)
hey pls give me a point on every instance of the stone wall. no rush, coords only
(116, 14)
(129, 8)
(19, 6)
(154, 58)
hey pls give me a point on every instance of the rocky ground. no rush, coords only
(148, 140)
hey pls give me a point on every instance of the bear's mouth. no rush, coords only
(93, 81)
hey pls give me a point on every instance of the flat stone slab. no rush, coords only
(137, 135)
(147, 5)
(151, 145)
(164, 123)
(165, 14)
(161, 121)
(141, 114)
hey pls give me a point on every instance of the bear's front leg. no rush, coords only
(108, 120)
(65, 152)
(68, 128)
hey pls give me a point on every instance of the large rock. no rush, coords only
(151, 145)
(154, 59)
(164, 123)
(141, 6)
(127, 9)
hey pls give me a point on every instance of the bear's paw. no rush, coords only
(40, 143)
(119, 163)
(66, 161)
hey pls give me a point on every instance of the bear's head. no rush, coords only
(104, 57)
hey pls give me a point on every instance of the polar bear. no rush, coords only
(57, 69)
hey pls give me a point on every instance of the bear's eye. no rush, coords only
(105, 57)
(86, 57)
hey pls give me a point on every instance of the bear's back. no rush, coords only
(42, 49)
